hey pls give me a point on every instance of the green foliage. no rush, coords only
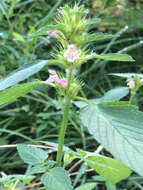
(37, 169)
(110, 186)
(12, 178)
(14, 92)
(86, 186)
(18, 36)
(96, 37)
(57, 178)
(127, 75)
(24, 40)
(118, 127)
(115, 94)
(21, 74)
(69, 157)
(113, 57)
(112, 170)
(3, 7)
(31, 155)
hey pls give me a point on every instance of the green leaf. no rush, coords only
(31, 155)
(14, 92)
(110, 186)
(37, 169)
(119, 128)
(21, 74)
(3, 7)
(43, 30)
(98, 178)
(57, 179)
(18, 36)
(80, 104)
(69, 157)
(127, 75)
(93, 21)
(25, 178)
(81, 172)
(87, 186)
(112, 170)
(96, 37)
(115, 94)
(112, 57)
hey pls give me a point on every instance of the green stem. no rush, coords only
(70, 77)
(64, 123)
(62, 132)
(131, 97)
(9, 24)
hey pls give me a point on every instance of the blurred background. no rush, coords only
(36, 116)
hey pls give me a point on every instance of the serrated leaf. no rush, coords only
(15, 92)
(112, 57)
(21, 74)
(112, 170)
(127, 75)
(87, 186)
(116, 94)
(113, 94)
(118, 127)
(31, 155)
(57, 179)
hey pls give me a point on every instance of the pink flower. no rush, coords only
(141, 80)
(131, 84)
(71, 53)
(52, 72)
(53, 76)
(54, 33)
(63, 82)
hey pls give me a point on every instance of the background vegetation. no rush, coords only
(36, 116)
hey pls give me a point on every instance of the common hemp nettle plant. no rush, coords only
(115, 124)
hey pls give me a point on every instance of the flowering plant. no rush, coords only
(112, 123)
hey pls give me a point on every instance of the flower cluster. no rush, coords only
(71, 53)
(131, 83)
(54, 78)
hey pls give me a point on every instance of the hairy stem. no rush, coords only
(64, 123)
(131, 97)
